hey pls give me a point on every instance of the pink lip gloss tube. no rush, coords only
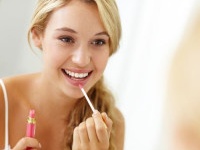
(31, 125)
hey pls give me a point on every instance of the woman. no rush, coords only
(76, 38)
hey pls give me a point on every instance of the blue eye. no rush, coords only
(98, 42)
(67, 39)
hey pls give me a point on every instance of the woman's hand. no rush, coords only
(25, 142)
(94, 133)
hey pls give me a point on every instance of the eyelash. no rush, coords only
(69, 40)
(98, 42)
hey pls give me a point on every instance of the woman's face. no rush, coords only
(75, 48)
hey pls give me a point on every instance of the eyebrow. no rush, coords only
(73, 31)
(102, 33)
(66, 29)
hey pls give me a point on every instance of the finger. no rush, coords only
(82, 130)
(107, 121)
(101, 129)
(91, 129)
(27, 142)
(76, 138)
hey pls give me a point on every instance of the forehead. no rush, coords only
(77, 15)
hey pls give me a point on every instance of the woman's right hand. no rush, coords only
(25, 142)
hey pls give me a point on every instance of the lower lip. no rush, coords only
(77, 82)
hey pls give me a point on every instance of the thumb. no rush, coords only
(25, 142)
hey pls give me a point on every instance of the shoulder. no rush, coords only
(15, 83)
(15, 88)
(119, 129)
(10, 88)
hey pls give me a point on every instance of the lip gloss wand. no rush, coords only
(31, 125)
(89, 102)
(87, 98)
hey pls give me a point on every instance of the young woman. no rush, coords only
(76, 38)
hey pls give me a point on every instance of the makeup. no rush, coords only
(31, 125)
(87, 98)
(89, 102)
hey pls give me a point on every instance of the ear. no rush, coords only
(36, 38)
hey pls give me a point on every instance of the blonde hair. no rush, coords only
(103, 101)
(184, 82)
(101, 97)
(108, 12)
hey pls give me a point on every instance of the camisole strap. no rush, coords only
(7, 147)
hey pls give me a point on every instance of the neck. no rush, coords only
(50, 101)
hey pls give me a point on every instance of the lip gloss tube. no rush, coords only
(31, 125)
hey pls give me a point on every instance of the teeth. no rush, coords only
(76, 75)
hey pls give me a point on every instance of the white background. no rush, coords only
(137, 73)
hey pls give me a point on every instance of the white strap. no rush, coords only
(7, 147)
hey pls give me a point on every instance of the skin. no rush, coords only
(70, 44)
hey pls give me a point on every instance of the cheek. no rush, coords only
(101, 61)
(53, 56)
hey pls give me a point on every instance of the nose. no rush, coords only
(81, 56)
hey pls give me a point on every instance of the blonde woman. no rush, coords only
(76, 38)
(183, 105)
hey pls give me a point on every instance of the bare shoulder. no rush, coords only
(15, 87)
(119, 129)
(19, 82)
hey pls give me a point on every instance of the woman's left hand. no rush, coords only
(93, 134)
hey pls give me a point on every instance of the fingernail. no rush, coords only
(40, 146)
(106, 116)
(95, 112)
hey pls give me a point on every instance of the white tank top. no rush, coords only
(7, 147)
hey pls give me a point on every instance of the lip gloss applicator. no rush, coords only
(31, 125)
(89, 102)
(87, 98)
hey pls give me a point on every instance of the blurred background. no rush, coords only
(137, 73)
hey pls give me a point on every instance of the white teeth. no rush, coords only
(76, 75)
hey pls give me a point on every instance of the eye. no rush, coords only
(98, 42)
(67, 39)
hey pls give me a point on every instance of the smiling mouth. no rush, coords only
(75, 75)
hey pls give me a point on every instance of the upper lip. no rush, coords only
(79, 70)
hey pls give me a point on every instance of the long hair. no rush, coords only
(183, 99)
(101, 97)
